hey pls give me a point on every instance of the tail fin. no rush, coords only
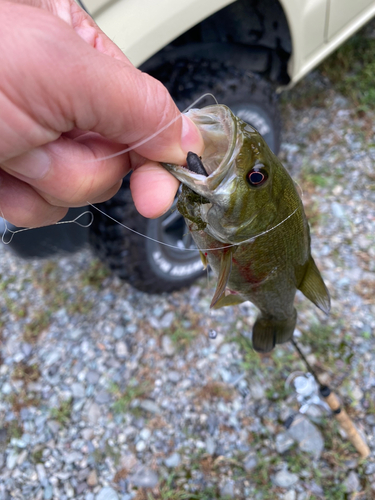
(269, 331)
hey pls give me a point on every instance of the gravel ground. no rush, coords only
(111, 394)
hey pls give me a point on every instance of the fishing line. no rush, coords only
(300, 188)
(191, 249)
(6, 242)
(140, 143)
(74, 221)
(155, 134)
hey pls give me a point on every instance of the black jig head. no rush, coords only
(195, 164)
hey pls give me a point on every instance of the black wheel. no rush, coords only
(147, 264)
(249, 96)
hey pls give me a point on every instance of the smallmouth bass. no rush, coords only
(247, 219)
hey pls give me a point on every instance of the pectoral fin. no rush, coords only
(224, 273)
(313, 287)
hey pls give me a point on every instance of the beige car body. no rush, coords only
(142, 27)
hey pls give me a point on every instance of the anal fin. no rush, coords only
(228, 300)
(313, 287)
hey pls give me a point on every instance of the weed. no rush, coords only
(182, 337)
(132, 392)
(19, 310)
(261, 476)
(305, 95)
(366, 289)
(27, 373)
(100, 454)
(169, 490)
(39, 323)
(297, 461)
(251, 359)
(351, 69)
(95, 274)
(214, 390)
(14, 430)
(22, 400)
(80, 305)
(37, 456)
(369, 403)
(62, 414)
(321, 339)
(5, 282)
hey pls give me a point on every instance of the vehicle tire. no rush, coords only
(146, 264)
(149, 265)
(249, 96)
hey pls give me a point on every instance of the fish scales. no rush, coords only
(244, 212)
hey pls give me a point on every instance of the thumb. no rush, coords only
(74, 85)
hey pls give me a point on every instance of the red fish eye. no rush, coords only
(257, 177)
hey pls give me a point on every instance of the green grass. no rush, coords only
(95, 274)
(5, 282)
(322, 340)
(14, 430)
(37, 456)
(251, 360)
(352, 68)
(182, 337)
(39, 323)
(27, 373)
(132, 392)
(19, 310)
(168, 491)
(99, 455)
(63, 413)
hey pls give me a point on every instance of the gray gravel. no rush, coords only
(105, 390)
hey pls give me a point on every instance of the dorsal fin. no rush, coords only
(313, 287)
(224, 273)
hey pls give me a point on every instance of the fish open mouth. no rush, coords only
(218, 128)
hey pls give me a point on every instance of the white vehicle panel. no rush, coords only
(142, 27)
(339, 17)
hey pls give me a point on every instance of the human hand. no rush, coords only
(68, 95)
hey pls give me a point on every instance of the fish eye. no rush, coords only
(257, 176)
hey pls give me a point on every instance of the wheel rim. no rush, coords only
(175, 232)
(256, 117)
(178, 259)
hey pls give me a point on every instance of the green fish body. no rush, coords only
(248, 221)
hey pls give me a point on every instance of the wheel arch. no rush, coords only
(256, 33)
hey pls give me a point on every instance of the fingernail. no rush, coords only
(191, 139)
(34, 165)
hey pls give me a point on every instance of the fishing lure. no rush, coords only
(244, 212)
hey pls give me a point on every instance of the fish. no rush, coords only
(248, 222)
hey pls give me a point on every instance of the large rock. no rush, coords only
(107, 494)
(173, 460)
(351, 483)
(283, 442)
(284, 479)
(144, 478)
(167, 345)
(308, 437)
